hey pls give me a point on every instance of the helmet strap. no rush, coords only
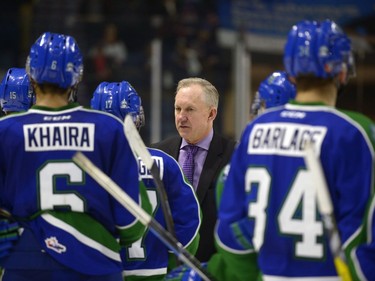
(32, 99)
(73, 93)
(341, 82)
(340, 89)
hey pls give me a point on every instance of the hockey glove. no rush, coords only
(8, 236)
(184, 273)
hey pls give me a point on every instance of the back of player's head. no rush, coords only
(16, 93)
(275, 90)
(316, 48)
(55, 59)
(119, 99)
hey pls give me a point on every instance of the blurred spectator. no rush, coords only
(108, 55)
(10, 40)
(184, 61)
(215, 64)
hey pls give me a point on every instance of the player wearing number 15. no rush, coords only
(71, 225)
(269, 221)
(16, 93)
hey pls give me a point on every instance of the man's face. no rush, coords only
(193, 117)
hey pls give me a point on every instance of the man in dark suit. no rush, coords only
(196, 104)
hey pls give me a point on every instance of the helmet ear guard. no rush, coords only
(320, 49)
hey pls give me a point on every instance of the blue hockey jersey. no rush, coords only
(149, 256)
(269, 197)
(63, 211)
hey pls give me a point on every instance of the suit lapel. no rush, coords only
(173, 148)
(210, 167)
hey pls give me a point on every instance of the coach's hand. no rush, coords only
(8, 235)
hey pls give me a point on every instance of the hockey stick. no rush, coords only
(139, 148)
(325, 207)
(126, 201)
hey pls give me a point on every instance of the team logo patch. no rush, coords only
(53, 244)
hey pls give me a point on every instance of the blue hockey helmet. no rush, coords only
(318, 48)
(275, 90)
(55, 59)
(16, 93)
(119, 99)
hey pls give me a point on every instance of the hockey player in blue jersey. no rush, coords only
(273, 91)
(149, 258)
(269, 226)
(71, 227)
(278, 226)
(16, 93)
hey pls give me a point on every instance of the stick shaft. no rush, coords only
(127, 202)
(139, 148)
(112, 188)
(325, 207)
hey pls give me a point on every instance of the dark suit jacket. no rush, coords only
(219, 154)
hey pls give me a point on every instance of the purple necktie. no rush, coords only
(188, 165)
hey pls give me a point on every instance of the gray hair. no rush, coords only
(210, 92)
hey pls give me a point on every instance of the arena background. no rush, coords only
(234, 44)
